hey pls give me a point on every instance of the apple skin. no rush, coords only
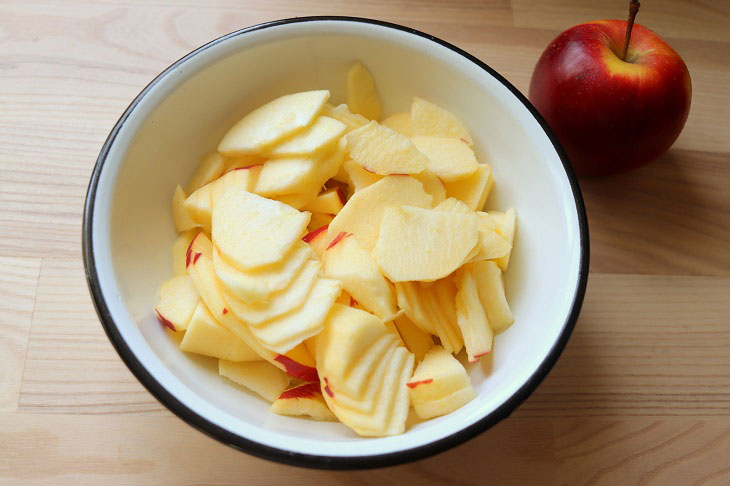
(611, 115)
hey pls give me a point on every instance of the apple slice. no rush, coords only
(199, 206)
(400, 122)
(257, 285)
(317, 239)
(362, 97)
(251, 231)
(199, 244)
(242, 162)
(432, 185)
(471, 317)
(318, 220)
(354, 389)
(451, 159)
(373, 201)
(243, 177)
(179, 251)
(346, 261)
(206, 336)
(417, 341)
(358, 177)
(282, 333)
(384, 151)
(258, 376)
(410, 301)
(319, 136)
(491, 292)
(311, 345)
(428, 119)
(303, 400)
(206, 282)
(474, 189)
(265, 126)
(454, 205)
(507, 228)
(279, 302)
(176, 302)
(328, 202)
(298, 363)
(433, 250)
(180, 216)
(443, 296)
(390, 325)
(342, 113)
(297, 201)
(210, 168)
(439, 385)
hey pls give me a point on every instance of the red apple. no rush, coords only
(611, 114)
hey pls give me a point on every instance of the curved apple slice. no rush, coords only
(180, 215)
(362, 97)
(279, 302)
(400, 122)
(303, 400)
(206, 336)
(472, 318)
(432, 185)
(450, 159)
(210, 168)
(272, 122)
(258, 376)
(384, 151)
(343, 114)
(491, 292)
(432, 120)
(177, 299)
(322, 134)
(473, 190)
(179, 251)
(252, 231)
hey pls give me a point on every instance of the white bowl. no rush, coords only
(181, 115)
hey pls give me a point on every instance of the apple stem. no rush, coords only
(633, 10)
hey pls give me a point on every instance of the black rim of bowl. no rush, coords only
(312, 460)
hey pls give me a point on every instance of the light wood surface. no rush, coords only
(640, 396)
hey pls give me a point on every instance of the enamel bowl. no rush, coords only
(183, 113)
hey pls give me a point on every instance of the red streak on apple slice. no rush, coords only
(338, 238)
(189, 252)
(298, 370)
(327, 388)
(353, 302)
(247, 167)
(307, 390)
(225, 311)
(477, 356)
(313, 234)
(341, 195)
(165, 321)
(195, 258)
(414, 384)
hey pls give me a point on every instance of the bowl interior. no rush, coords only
(184, 114)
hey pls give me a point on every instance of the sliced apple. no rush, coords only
(311, 345)
(348, 262)
(507, 228)
(177, 299)
(362, 97)
(358, 177)
(432, 185)
(243, 162)
(451, 159)
(328, 202)
(257, 285)
(210, 168)
(251, 231)
(400, 122)
(303, 400)
(343, 114)
(355, 387)
(319, 136)
(180, 216)
(243, 177)
(179, 251)
(318, 220)
(471, 317)
(258, 131)
(317, 239)
(410, 301)
(454, 205)
(433, 248)
(390, 325)
(439, 385)
(491, 292)
(279, 302)
(199, 244)
(373, 201)
(428, 119)
(384, 151)
(298, 363)
(443, 297)
(206, 336)
(284, 332)
(258, 376)
(417, 341)
(474, 189)
(199, 206)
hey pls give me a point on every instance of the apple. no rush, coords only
(613, 108)
(384, 151)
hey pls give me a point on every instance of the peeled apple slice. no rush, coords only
(428, 119)
(323, 133)
(251, 231)
(180, 216)
(473, 190)
(423, 244)
(303, 400)
(210, 168)
(491, 292)
(400, 122)
(206, 336)
(362, 97)
(272, 122)
(472, 318)
(258, 376)
(176, 302)
(451, 159)
(384, 151)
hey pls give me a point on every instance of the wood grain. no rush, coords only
(640, 396)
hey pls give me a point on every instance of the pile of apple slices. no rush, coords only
(336, 265)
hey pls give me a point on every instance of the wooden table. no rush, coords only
(641, 394)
